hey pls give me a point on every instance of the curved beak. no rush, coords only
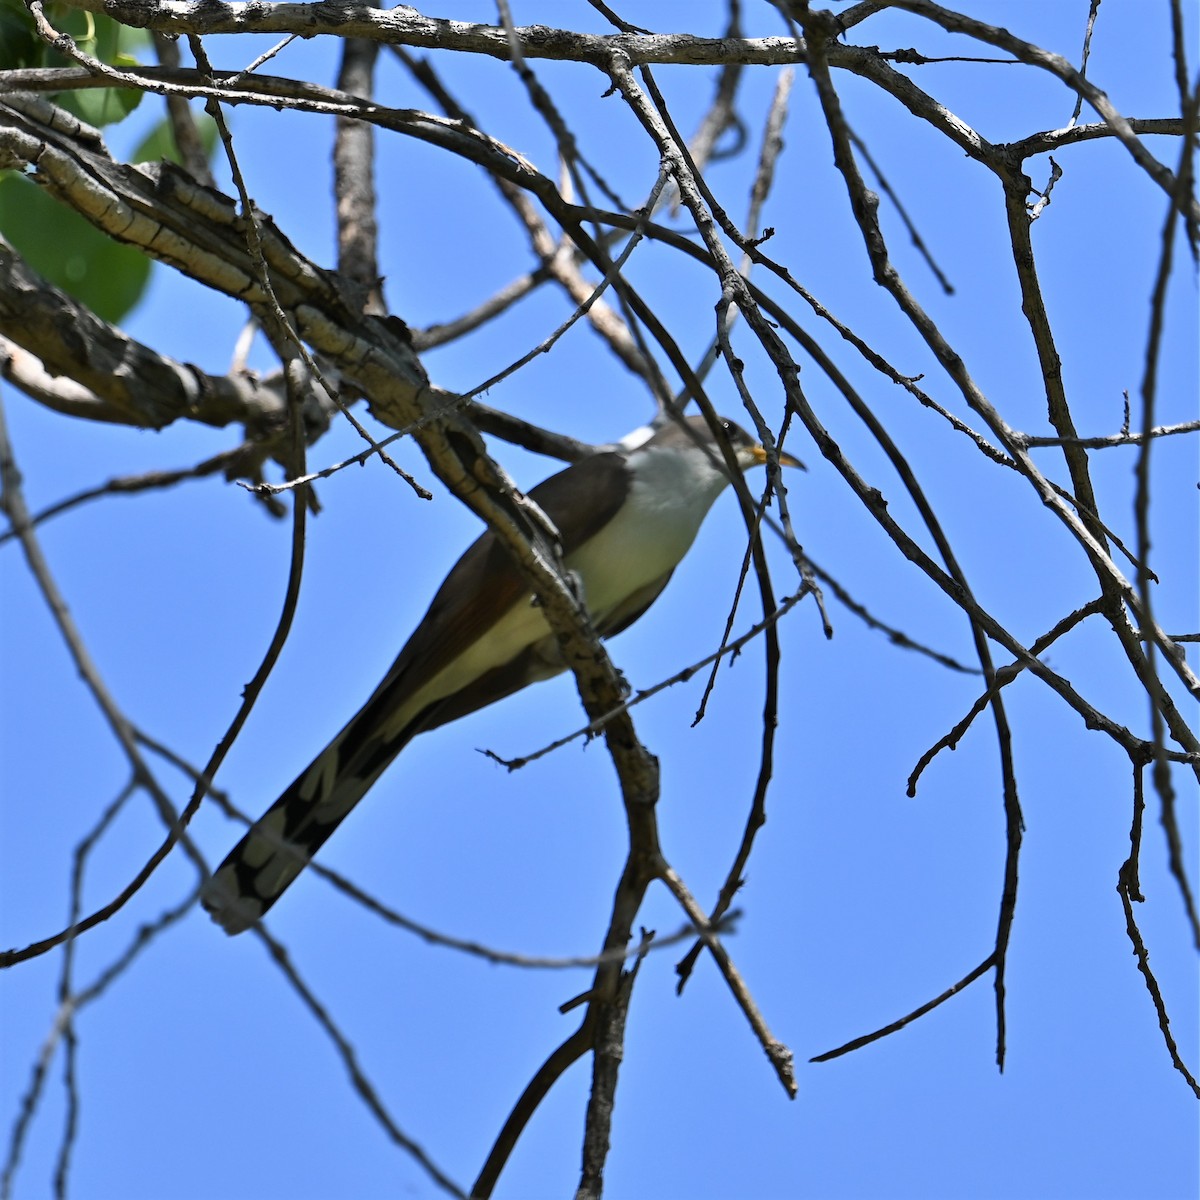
(785, 459)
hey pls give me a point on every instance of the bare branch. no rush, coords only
(57, 351)
(1129, 889)
(405, 27)
(358, 1078)
(354, 179)
(13, 504)
(953, 990)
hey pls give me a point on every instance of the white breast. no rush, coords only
(670, 494)
(669, 497)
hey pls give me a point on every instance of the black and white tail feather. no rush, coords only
(626, 517)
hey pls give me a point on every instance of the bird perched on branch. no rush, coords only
(626, 517)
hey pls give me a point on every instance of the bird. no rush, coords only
(626, 516)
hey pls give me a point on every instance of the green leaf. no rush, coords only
(101, 106)
(160, 141)
(95, 34)
(19, 44)
(69, 252)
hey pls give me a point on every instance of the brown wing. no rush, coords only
(485, 583)
(633, 607)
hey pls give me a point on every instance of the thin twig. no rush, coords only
(358, 1078)
(867, 1038)
(1093, 9)
(593, 727)
(1129, 889)
(123, 485)
(1161, 771)
(1000, 679)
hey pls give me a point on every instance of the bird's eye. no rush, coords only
(735, 433)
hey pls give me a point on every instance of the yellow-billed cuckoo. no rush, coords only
(626, 516)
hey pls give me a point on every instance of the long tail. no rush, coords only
(282, 842)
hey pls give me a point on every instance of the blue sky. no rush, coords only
(200, 1072)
